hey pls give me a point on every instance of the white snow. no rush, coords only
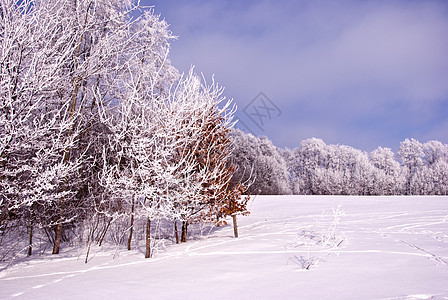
(374, 248)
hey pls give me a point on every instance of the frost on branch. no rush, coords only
(98, 128)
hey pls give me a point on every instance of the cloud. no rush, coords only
(351, 60)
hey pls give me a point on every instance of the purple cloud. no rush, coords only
(352, 65)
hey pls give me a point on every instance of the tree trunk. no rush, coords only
(132, 225)
(184, 232)
(88, 250)
(91, 236)
(30, 246)
(104, 232)
(175, 232)
(148, 238)
(57, 238)
(49, 236)
(235, 226)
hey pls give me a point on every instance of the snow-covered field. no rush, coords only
(290, 247)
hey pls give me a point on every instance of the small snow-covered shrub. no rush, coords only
(305, 263)
(319, 240)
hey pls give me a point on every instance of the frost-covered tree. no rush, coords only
(62, 63)
(260, 163)
(140, 136)
(410, 154)
(55, 53)
(289, 155)
(430, 178)
(433, 152)
(318, 168)
(357, 171)
(387, 176)
(205, 192)
(96, 125)
(334, 169)
(310, 158)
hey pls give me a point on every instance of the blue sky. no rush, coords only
(359, 73)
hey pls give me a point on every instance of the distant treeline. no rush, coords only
(316, 168)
